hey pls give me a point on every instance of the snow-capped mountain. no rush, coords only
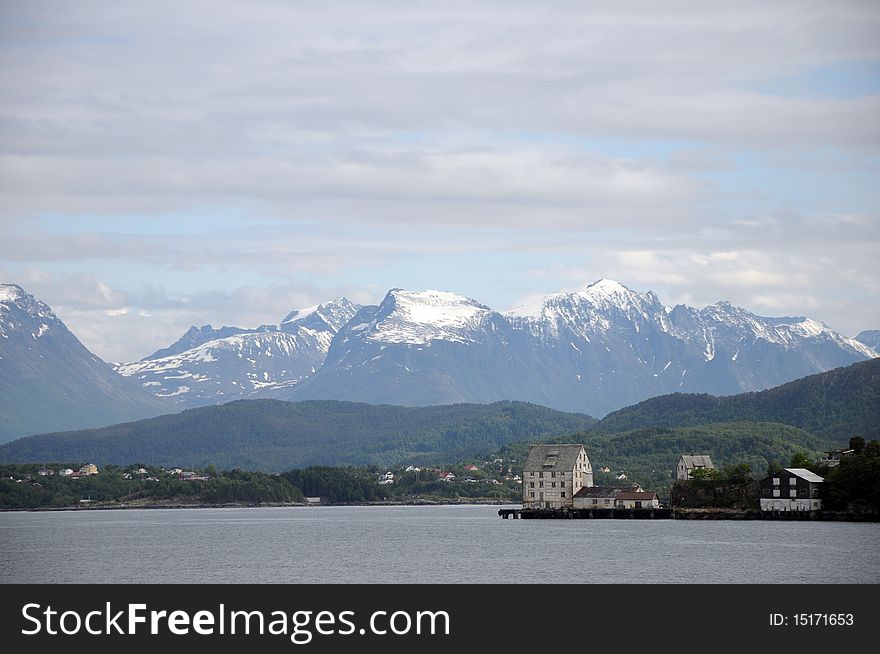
(592, 351)
(419, 348)
(209, 366)
(49, 381)
(622, 346)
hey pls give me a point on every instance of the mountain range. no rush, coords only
(592, 351)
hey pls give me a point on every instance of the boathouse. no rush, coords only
(792, 489)
(553, 474)
(614, 497)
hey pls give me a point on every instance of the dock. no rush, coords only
(668, 513)
(586, 514)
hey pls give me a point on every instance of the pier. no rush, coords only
(667, 513)
(585, 514)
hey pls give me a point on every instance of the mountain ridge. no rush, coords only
(836, 404)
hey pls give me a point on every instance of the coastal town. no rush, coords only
(550, 480)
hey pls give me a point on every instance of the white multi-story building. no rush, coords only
(552, 474)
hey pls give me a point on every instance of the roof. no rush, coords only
(805, 474)
(614, 492)
(636, 495)
(552, 457)
(697, 461)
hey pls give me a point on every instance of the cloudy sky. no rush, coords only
(169, 164)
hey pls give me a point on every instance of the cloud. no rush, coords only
(539, 148)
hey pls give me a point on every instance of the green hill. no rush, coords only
(273, 435)
(837, 405)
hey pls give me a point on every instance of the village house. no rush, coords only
(553, 474)
(65, 472)
(832, 457)
(791, 489)
(613, 497)
(690, 462)
(192, 476)
(89, 469)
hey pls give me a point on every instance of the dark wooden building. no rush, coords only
(792, 489)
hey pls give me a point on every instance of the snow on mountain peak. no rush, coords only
(333, 314)
(606, 288)
(422, 316)
(11, 292)
(299, 314)
(21, 309)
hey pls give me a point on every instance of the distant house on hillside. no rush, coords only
(690, 462)
(552, 474)
(832, 457)
(791, 489)
(89, 469)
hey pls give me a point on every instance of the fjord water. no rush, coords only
(426, 544)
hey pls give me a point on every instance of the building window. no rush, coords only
(776, 481)
(792, 481)
(775, 492)
(553, 484)
(563, 493)
(540, 484)
(531, 484)
(532, 494)
(595, 501)
(553, 474)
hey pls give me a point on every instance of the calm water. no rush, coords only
(448, 544)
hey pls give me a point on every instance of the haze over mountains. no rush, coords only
(592, 352)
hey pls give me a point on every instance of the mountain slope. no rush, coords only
(208, 366)
(837, 404)
(50, 381)
(275, 435)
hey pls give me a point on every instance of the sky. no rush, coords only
(164, 164)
